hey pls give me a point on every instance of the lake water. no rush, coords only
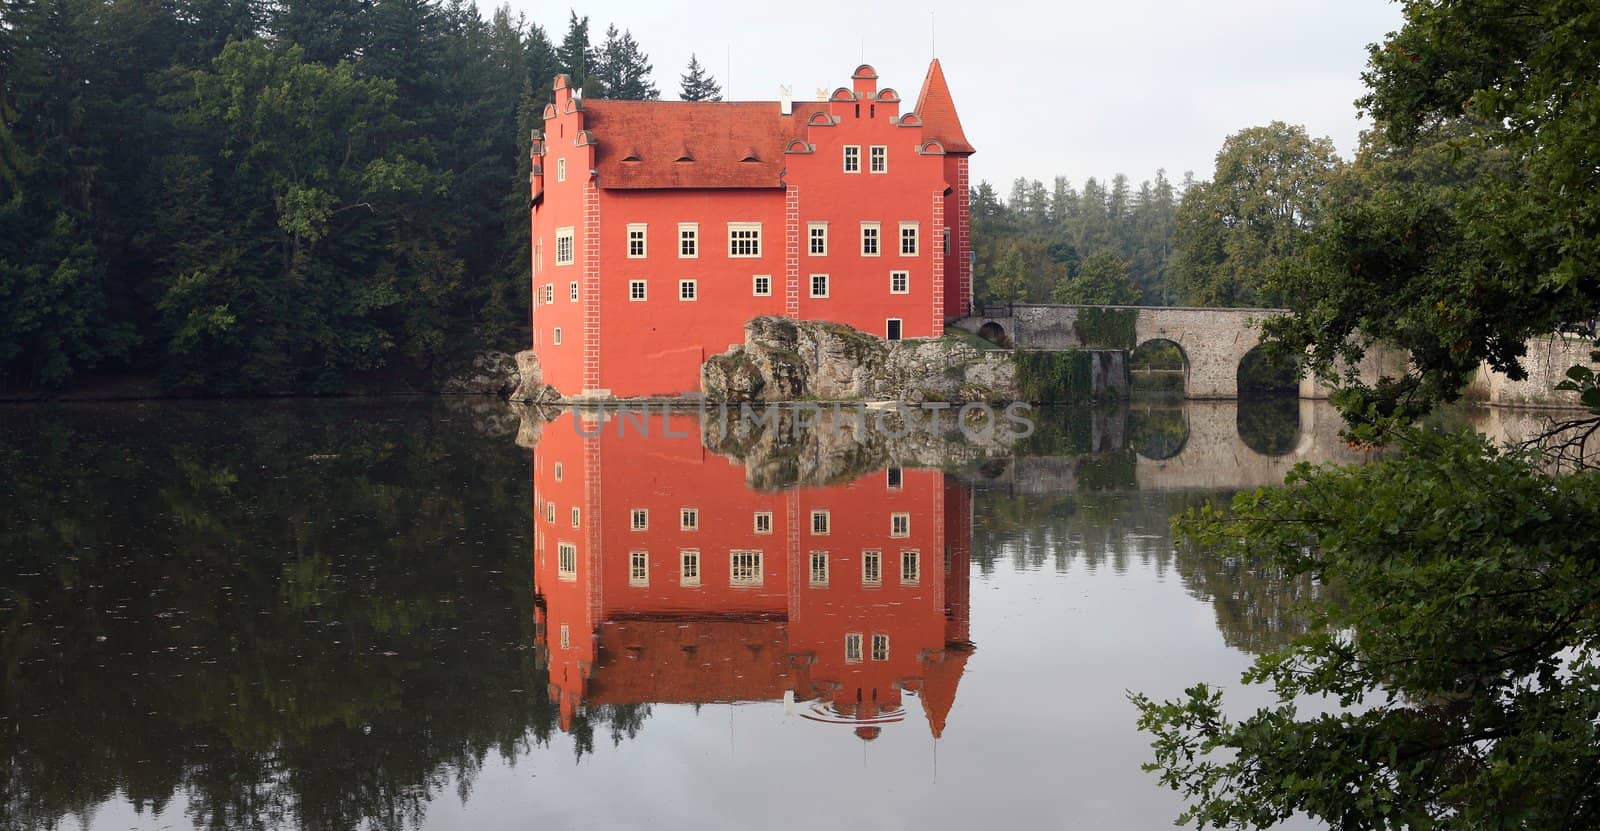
(370, 614)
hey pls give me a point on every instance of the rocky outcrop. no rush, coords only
(531, 388)
(793, 360)
(492, 373)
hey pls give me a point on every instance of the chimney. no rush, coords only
(785, 99)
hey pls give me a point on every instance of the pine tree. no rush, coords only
(575, 56)
(696, 84)
(623, 69)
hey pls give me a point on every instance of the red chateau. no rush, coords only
(661, 227)
(661, 577)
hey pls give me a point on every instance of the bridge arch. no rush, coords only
(1159, 365)
(995, 332)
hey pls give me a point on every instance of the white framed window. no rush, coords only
(688, 240)
(637, 233)
(572, 291)
(819, 568)
(555, 336)
(821, 521)
(638, 568)
(819, 285)
(688, 290)
(910, 567)
(899, 282)
(894, 478)
(878, 159)
(899, 525)
(852, 158)
(870, 239)
(564, 247)
(744, 239)
(761, 285)
(872, 568)
(561, 170)
(689, 567)
(558, 471)
(763, 522)
(550, 512)
(744, 568)
(910, 241)
(817, 234)
(566, 636)
(566, 561)
(880, 647)
(689, 519)
(891, 328)
(575, 517)
(638, 291)
(947, 240)
(852, 647)
(549, 293)
(538, 258)
(639, 519)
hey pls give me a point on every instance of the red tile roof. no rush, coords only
(938, 112)
(718, 136)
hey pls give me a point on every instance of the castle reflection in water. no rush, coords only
(661, 576)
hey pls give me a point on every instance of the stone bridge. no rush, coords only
(1213, 341)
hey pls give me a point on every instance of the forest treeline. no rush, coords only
(234, 196)
(243, 197)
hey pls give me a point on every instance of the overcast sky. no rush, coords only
(1077, 88)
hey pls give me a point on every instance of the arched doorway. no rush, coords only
(995, 333)
(1159, 367)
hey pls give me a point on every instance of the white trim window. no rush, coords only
(899, 282)
(821, 522)
(688, 240)
(550, 512)
(947, 240)
(689, 519)
(910, 567)
(566, 561)
(638, 568)
(761, 285)
(638, 291)
(565, 250)
(566, 636)
(899, 526)
(880, 647)
(744, 568)
(878, 159)
(819, 568)
(688, 290)
(817, 239)
(555, 337)
(572, 291)
(763, 522)
(871, 239)
(689, 567)
(852, 647)
(872, 568)
(894, 478)
(893, 328)
(852, 158)
(819, 285)
(638, 233)
(575, 516)
(910, 239)
(558, 471)
(549, 293)
(639, 519)
(744, 240)
(561, 170)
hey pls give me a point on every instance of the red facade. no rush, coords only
(752, 596)
(661, 227)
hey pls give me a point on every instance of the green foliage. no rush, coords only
(1463, 655)
(1065, 377)
(623, 69)
(1234, 232)
(1010, 281)
(1102, 280)
(1055, 229)
(1106, 328)
(696, 84)
(1471, 219)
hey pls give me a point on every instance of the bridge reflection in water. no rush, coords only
(661, 577)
